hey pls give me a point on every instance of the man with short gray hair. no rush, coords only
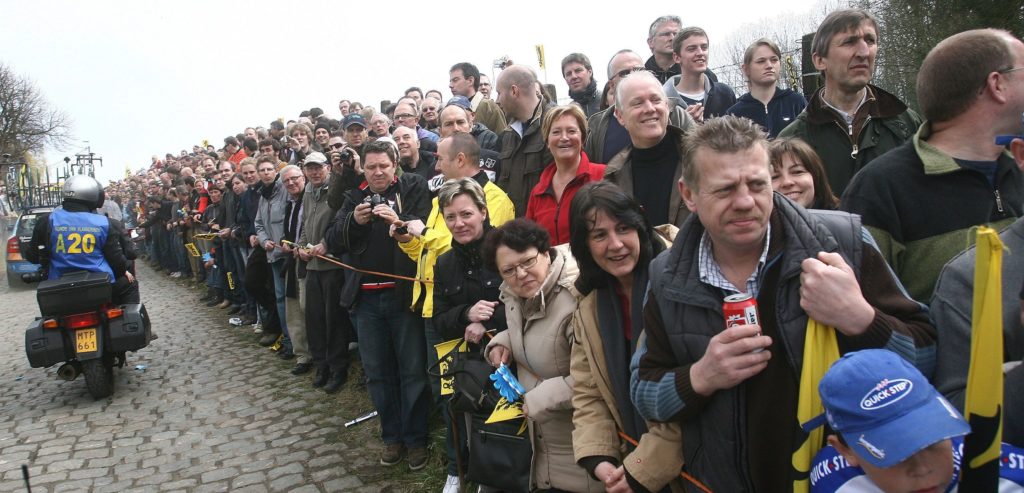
(659, 39)
(848, 121)
(607, 136)
(650, 163)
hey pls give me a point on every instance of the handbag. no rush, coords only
(499, 456)
(473, 392)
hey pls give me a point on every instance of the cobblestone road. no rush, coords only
(210, 412)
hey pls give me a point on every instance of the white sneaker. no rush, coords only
(451, 485)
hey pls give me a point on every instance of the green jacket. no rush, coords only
(921, 206)
(523, 159)
(889, 123)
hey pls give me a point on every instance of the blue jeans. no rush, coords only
(280, 292)
(393, 351)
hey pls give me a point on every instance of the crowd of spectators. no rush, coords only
(497, 221)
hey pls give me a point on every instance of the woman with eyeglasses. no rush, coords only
(564, 129)
(539, 296)
(613, 242)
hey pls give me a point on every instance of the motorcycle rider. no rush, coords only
(73, 237)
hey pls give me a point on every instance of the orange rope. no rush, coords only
(683, 475)
(349, 267)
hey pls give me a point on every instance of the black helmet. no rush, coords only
(85, 190)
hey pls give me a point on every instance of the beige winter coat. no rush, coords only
(540, 337)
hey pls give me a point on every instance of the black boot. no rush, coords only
(210, 294)
(218, 299)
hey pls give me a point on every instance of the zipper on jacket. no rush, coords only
(999, 201)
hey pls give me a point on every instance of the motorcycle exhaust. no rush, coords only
(68, 372)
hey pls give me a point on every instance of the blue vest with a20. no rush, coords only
(76, 242)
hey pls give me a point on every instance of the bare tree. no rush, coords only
(28, 123)
(784, 29)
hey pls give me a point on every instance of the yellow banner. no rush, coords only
(540, 56)
(444, 362)
(192, 250)
(505, 410)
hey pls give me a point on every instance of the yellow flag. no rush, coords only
(821, 349)
(192, 250)
(505, 410)
(984, 395)
(444, 361)
(540, 56)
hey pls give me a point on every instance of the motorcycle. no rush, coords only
(81, 327)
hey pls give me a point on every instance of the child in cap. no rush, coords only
(893, 431)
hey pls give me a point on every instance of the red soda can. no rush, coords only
(741, 309)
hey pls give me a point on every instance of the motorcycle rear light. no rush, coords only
(50, 323)
(113, 313)
(13, 250)
(81, 320)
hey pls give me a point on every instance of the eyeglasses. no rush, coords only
(337, 146)
(1009, 70)
(624, 72)
(425, 109)
(404, 116)
(510, 272)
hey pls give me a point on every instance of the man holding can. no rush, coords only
(735, 389)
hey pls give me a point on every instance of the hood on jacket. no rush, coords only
(673, 93)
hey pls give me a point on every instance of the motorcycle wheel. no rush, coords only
(99, 377)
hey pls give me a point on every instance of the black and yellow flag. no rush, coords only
(984, 398)
(821, 349)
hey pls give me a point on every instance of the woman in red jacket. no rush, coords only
(565, 129)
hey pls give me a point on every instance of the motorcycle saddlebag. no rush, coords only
(75, 292)
(44, 347)
(128, 332)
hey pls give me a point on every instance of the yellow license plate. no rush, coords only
(85, 341)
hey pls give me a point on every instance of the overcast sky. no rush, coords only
(142, 78)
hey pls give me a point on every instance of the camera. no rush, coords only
(347, 155)
(374, 200)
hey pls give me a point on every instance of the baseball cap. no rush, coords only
(884, 408)
(314, 158)
(353, 119)
(460, 101)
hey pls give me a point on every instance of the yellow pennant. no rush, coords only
(984, 394)
(445, 360)
(540, 56)
(231, 281)
(821, 349)
(505, 410)
(192, 250)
